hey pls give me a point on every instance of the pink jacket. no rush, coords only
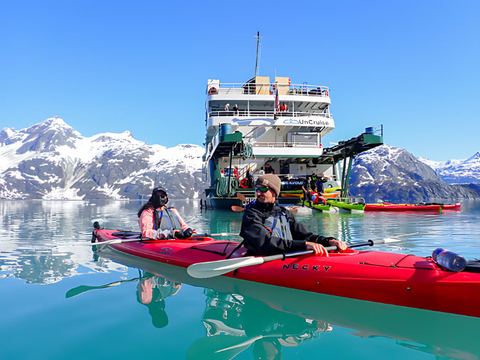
(146, 222)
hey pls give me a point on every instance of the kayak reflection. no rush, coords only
(240, 314)
(235, 323)
(151, 292)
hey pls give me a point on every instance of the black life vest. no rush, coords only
(279, 226)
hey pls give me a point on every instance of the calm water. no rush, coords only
(59, 300)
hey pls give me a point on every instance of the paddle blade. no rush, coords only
(293, 210)
(404, 235)
(78, 290)
(211, 269)
(237, 208)
(241, 197)
(388, 240)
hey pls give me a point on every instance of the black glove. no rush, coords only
(184, 234)
(330, 238)
(187, 233)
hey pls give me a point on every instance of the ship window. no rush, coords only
(303, 137)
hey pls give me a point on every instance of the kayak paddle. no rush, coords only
(215, 268)
(139, 238)
(240, 209)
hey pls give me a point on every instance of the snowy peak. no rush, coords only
(44, 136)
(51, 160)
(458, 171)
(474, 159)
(8, 136)
(391, 174)
(54, 124)
(393, 162)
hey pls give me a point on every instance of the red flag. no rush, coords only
(277, 102)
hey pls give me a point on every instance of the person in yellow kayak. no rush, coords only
(156, 221)
(268, 228)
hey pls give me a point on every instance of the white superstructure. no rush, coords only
(266, 127)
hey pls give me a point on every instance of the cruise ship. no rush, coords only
(269, 126)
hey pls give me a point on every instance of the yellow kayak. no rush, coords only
(329, 190)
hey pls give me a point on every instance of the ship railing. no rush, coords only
(315, 145)
(213, 145)
(268, 89)
(251, 113)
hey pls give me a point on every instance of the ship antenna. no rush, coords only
(256, 61)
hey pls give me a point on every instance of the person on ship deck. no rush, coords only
(156, 221)
(307, 195)
(268, 228)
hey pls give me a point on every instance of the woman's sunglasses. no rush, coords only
(262, 189)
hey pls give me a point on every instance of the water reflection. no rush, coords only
(42, 242)
(235, 323)
(151, 292)
(265, 319)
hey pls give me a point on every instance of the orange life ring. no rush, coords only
(326, 92)
(212, 91)
(244, 183)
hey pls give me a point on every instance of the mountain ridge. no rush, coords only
(51, 160)
(463, 171)
(392, 174)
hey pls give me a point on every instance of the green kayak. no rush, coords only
(347, 205)
(320, 207)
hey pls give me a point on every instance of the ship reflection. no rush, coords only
(235, 323)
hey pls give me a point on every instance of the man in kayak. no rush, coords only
(156, 221)
(268, 228)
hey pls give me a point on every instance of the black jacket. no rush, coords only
(259, 240)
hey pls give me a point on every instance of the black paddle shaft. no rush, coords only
(328, 248)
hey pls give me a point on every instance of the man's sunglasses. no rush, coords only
(262, 189)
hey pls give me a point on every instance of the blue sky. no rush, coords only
(112, 66)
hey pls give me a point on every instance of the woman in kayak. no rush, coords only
(268, 228)
(156, 221)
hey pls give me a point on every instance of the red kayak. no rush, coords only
(401, 207)
(383, 277)
(412, 207)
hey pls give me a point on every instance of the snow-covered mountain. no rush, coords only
(51, 160)
(388, 173)
(457, 171)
